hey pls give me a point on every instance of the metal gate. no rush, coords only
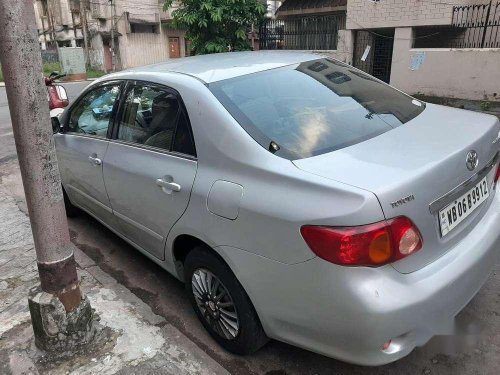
(373, 52)
(301, 33)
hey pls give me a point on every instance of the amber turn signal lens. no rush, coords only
(380, 248)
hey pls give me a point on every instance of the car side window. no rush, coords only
(150, 116)
(93, 113)
(183, 141)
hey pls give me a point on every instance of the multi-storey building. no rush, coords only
(140, 29)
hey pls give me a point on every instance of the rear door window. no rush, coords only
(153, 116)
(314, 107)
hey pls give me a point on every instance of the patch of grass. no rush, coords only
(485, 105)
(47, 69)
(92, 73)
(51, 67)
(56, 67)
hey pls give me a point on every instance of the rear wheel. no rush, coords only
(71, 211)
(221, 303)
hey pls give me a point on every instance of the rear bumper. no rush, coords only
(349, 313)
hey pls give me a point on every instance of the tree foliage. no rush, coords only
(217, 25)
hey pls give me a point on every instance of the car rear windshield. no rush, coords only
(315, 107)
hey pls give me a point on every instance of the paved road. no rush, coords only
(166, 297)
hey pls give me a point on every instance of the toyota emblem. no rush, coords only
(472, 160)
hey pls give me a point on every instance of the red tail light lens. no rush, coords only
(497, 176)
(369, 245)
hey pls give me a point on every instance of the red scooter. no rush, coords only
(58, 98)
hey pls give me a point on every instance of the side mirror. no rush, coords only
(56, 125)
(61, 92)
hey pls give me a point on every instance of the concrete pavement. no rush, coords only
(130, 338)
(166, 298)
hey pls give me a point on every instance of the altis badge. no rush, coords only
(402, 201)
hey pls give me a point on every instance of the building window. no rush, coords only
(63, 43)
(187, 47)
(142, 28)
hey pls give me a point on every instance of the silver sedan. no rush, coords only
(297, 197)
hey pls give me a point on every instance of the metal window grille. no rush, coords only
(302, 33)
(473, 26)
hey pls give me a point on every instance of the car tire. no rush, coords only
(249, 336)
(71, 211)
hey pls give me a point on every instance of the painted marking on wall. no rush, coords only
(416, 60)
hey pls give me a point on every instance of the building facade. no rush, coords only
(58, 23)
(140, 29)
(430, 47)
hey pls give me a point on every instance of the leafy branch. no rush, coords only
(215, 26)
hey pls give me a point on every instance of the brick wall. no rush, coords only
(400, 13)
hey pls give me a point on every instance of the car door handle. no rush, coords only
(95, 160)
(168, 185)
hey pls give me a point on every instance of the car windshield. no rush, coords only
(315, 107)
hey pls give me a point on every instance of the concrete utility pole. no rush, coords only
(61, 316)
(113, 59)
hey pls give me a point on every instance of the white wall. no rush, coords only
(399, 13)
(455, 73)
(138, 49)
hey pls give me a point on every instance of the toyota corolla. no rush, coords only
(298, 198)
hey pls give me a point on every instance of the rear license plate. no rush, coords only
(457, 211)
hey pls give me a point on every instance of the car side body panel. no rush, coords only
(276, 199)
(82, 179)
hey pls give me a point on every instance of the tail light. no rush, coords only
(370, 245)
(497, 176)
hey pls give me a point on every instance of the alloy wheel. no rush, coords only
(215, 304)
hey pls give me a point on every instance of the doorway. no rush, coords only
(108, 58)
(174, 48)
(373, 52)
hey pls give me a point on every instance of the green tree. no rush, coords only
(215, 26)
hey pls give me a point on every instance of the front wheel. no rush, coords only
(221, 303)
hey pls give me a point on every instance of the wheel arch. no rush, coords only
(183, 244)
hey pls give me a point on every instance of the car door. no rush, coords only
(82, 146)
(150, 164)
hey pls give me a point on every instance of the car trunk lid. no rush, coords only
(412, 166)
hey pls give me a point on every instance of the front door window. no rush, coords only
(92, 114)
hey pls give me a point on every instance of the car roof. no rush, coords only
(216, 67)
